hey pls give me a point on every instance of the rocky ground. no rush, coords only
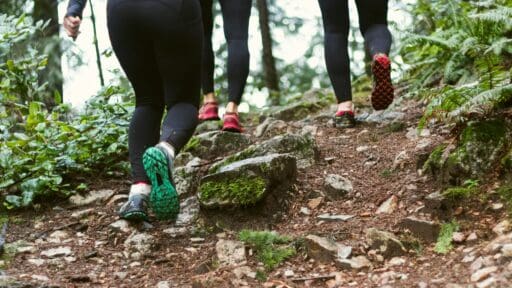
(356, 203)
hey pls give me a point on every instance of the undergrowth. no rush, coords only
(270, 248)
(444, 240)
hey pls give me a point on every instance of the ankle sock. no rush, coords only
(140, 188)
(168, 148)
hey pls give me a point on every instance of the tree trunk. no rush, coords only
(47, 10)
(269, 63)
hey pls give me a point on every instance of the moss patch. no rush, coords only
(242, 190)
(192, 145)
(271, 248)
(242, 155)
(486, 131)
(444, 241)
(434, 161)
(505, 192)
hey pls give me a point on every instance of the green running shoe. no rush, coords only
(163, 198)
(134, 209)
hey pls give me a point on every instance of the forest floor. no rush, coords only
(380, 159)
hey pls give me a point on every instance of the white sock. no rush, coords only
(168, 148)
(140, 189)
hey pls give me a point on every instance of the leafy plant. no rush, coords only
(271, 248)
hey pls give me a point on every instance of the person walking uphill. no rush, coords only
(373, 26)
(236, 14)
(159, 45)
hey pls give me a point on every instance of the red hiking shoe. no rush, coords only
(209, 111)
(232, 123)
(383, 91)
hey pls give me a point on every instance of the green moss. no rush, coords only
(458, 193)
(444, 240)
(270, 248)
(387, 173)
(243, 190)
(434, 160)
(505, 192)
(506, 162)
(486, 131)
(192, 145)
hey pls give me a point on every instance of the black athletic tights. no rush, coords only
(373, 26)
(159, 46)
(236, 14)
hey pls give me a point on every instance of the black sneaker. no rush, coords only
(135, 208)
(344, 119)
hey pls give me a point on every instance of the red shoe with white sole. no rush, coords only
(209, 112)
(383, 91)
(232, 123)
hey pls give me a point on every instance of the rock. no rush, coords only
(40, 278)
(478, 151)
(414, 134)
(506, 250)
(186, 178)
(458, 237)
(176, 232)
(303, 148)
(25, 248)
(472, 237)
(423, 229)
(483, 273)
(139, 245)
(36, 261)
(423, 144)
(396, 261)
(329, 217)
(381, 116)
(117, 200)
(120, 275)
(57, 252)
(362, 148)
(400, 160)
(230, 253)
(385, 242)
(91, 197)
(309, 130)
(214, 144)
(298, 110)
(288, 273)
(305, 211)
(336, 186)
(189, 211)
(243, 271)
(82, 213)
(437, 202)
(182, 159)
(389, 206)
(357, 263)
(497, 206)
(163, 284)
(502, 227)
(326, 250)
(121, 226)
(315, 202)
(57, 236)
(248, 181)
(270, 127)
(208, 126)
(489, 282)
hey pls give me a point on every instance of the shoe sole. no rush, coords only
(135, 216)
(163, 199)
(383, 91)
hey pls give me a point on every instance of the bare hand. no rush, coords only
(72, 26)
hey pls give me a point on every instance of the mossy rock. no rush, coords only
(214, 144)
(302, 147)
(302, 106)
(186, 178)
(480, 147)
(247, 182)
(506, 162)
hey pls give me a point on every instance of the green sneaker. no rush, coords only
(134, 209)
(163, 198)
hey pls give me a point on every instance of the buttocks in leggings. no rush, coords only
(159, 46)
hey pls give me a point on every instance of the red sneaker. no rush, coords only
(344, 119)
(232, 123)
(383, 91)
(209, 111)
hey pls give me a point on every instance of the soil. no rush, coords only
(99, 251)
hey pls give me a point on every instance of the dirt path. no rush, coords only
(380, 160)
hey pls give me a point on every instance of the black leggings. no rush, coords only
(159, 46)
(373, 26)
(236, 14)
